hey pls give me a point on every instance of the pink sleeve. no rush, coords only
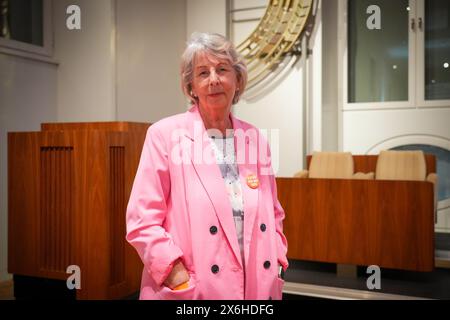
(147, 209)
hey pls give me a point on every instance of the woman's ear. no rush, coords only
(236, 96)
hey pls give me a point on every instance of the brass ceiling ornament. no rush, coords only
(276, 38)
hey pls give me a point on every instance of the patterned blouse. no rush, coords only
(226, 160)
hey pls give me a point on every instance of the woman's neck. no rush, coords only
(219, 120)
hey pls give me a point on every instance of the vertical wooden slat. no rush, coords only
(57, 213)
(62, 225)
(56, 204)
(117, 217)
(44, 204)
(63, 205)
(67, 205)
(121, 214)
(51, 214)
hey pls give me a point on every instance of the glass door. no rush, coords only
(433, 20)
(378, 55)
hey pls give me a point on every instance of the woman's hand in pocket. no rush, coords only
(177, 276)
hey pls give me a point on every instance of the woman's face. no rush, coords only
(214, 82)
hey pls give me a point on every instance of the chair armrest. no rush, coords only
(364, 176)
(301, 174)
(432, 177)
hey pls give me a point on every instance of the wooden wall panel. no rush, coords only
(361, 222)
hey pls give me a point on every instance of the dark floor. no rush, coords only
(434, 285)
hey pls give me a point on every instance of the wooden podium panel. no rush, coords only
(360, 222)
(68, 187)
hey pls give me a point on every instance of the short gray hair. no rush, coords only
(219, 47)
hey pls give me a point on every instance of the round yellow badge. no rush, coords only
(252, 181)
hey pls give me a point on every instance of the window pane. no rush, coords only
(22, 20)
(437, 49)
(378, 58)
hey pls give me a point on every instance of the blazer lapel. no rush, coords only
(246, 144)
(204, 163)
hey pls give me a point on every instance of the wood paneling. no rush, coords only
(360, 222)
(56, 214)
(117, 231)
(68, 186)
(104, 126)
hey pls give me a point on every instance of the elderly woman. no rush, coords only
(203, 212)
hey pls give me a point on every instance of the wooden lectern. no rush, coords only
(68, 188)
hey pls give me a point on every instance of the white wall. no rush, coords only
(330, 76)
(124, 62)
(279, 112)
(363, 130)
(27, 98)
(244, 20)
(151, 37)
(86, 74)
(206, 16)
(314, 87)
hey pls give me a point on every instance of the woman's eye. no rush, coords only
(203, 73)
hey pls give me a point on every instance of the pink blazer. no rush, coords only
(179, 208)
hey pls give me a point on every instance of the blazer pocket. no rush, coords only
(184, 294)
(279, 284)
